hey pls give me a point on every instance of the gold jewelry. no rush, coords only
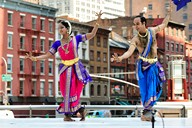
(151, 61)
(66, 49)
(34, 59)
(144, 35)
(97, 24)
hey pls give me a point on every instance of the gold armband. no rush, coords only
(34, 59)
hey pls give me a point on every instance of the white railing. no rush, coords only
(136, 108)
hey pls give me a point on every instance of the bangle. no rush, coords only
(34, 59)
(97, 24)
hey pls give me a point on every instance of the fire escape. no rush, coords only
(31, 73)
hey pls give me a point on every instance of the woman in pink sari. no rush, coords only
(73, 75)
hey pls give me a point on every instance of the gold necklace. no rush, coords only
(144, 35)
(67, 48)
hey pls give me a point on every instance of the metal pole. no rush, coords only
(5, 99)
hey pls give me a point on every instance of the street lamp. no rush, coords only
(5, 98)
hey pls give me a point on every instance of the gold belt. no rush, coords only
(70, 62)
(148, 60)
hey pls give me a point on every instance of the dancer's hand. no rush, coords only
(116, 58)
(29, 56)
(99, 16)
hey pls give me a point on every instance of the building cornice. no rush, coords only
(22, 6)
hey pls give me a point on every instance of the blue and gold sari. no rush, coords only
(150, 76)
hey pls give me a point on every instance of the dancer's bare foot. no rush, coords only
(83, 114)
(67, 118)
(144, 118)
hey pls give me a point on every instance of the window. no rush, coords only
(50, 88)
(98, 69)
(50, 67)
(91, 69)
(104, 57)
(190, 37)
(34, 23)
(34, 66)
(166, 5)
(191, 65)
(51, 26)
(150, 16)
(190, 27)
(98, 41)
(105, 42)
(167, 46)
(10, 18)
(150, 7)
(42, 25)
(172, 47)
(50, 43)
(34, 40)
(99, 90)
(105, 90)
(21, 87)
(22, 42)
(92, 90)
(83, 92)
(118, 70)
(9, 87)
(83, 53)
(177, 47)
(42, 45)
(42, 65)
(42, 86)
(10, 40)
(182, 49)
(104, 70)
(98, 56)
(91, 41)
(9, 64)
(21, 65)
(33, 89)
(22, 22)
(185, 17)
(91, 55)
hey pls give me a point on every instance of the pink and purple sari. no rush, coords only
(72, 77)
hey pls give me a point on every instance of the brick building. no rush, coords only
(157, 9)
(27, 27)
(188, 58)
(99, 63)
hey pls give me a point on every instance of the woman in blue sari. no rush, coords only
(149, 72)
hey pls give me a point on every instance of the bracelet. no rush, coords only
(97, 24)
(34, 59)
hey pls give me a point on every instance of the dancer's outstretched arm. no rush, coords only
(35, 58)
(127, 54)
(165, 21)
(94, 31)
